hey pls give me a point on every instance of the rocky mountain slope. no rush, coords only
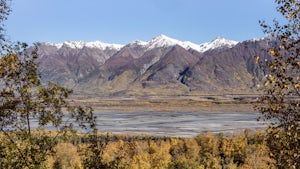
(160, 66)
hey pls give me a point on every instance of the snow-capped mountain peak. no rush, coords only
(162, 41)
(101, 45)
(74, 44)
(165, 41)
(57, 45)
(81, 44)
(217, 43)
(222, 41)
(159, 41)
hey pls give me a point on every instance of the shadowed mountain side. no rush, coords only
(167, 70)
(231, 70)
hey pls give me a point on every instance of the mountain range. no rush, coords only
(161, 66)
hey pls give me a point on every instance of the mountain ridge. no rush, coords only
(161, 66)
(158, 41)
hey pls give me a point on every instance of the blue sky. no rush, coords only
(123, 21)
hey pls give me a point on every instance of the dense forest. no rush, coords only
(244, 150)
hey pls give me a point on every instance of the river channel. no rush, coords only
(176, 124)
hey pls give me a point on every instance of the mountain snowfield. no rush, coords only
(81, 44)
(159, 41)
(164, 41)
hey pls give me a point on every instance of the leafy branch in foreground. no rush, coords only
(28, 107)
(27, 104)
(281, 100)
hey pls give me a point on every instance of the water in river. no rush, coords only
(178, 124)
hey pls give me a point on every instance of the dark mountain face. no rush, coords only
(169, 67)
(230, 70)
(135, 69)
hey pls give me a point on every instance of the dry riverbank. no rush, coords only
(207, 103)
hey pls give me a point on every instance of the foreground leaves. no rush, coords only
(280, 103)
(26, 103)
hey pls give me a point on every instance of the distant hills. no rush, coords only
(161, 66)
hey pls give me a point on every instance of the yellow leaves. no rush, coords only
(272, 51)
(13, 67)
(66, 154)
(292, 15)
(161, 156)
(272, 79)
(8, 62)
(141, 160)
(247, 147)
(12, 60)
(274, 107)
(27, 89)
(267, 83)
(256, 59)
(297, 85)
(12, 57)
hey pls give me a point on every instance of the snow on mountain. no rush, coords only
(259, 39)
(159, 41)
(138, 43)
(57, 45)
(162, 41)
(165, 41)
(74, 44)
(81, 44)
(217, 43)
(101, 45)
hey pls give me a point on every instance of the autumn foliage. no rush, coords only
(244, 150)
(280, 103)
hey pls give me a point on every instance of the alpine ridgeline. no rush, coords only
(160, 66)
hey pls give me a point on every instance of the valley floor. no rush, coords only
(180, 116)
(194, 103)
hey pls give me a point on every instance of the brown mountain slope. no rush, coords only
(172, 70)
(229, 70)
